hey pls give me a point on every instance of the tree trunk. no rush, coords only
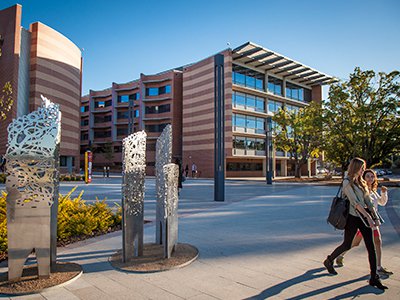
(297, 170)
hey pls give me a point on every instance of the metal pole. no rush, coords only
(219, 129)
(268, 150)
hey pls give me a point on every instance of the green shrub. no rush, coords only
(75, 218)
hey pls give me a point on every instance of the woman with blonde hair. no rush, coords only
(356, 190)
(378, 199)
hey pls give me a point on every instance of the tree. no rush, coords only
(6, 99)
(299, 133)
(361, 118)
(108, 152)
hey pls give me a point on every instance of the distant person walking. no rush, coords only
(186, 170)
(194, 170)
(108, 172)
(356, 190)
(378, 199)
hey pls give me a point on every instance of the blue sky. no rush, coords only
(122, 39)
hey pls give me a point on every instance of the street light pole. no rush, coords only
(268, 150)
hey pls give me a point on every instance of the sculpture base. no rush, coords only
(153, 261)
(30, 282)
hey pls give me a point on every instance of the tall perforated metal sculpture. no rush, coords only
(32, 187)
(134, 172)
(163, 157)
(170, 203)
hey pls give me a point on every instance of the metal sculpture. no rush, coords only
(170, 203)
(32, 187)
(163, 157)
(134, 167)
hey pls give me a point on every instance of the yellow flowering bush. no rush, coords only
(75, 218)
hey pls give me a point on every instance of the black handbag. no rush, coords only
(339, 210)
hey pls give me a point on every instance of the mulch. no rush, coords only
(31, 283)
(153, 261)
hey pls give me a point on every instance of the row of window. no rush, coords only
(102, 134)
(247, 101)
(101, 104)
(241, 166)
(155, 128)
(246, 143)
(158, 109)
(248, 124)
(248, 78)
(255, 80)
(102, 119)
(125, 114)
(127, 98)
(156, 91)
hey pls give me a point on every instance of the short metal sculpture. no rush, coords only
(170, 203)
(32, 187)
(134, 172)
(163, 157)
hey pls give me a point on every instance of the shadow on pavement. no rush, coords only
(311, 275)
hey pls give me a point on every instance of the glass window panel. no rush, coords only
(250, 81)
(251, 144)
(301, 94)
(260, 104)
(250, 101)
(240, 99)
(240, 121)
(251, 122)
(239, 78)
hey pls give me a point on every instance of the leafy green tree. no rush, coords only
(6, 99)
(361, 118)
(299, 133)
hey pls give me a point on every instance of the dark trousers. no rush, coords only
(354, 223)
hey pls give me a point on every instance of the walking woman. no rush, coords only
(372, 182)
(356, 190)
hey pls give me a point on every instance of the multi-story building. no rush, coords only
(149, 103)
(41, 61)
(257, 82)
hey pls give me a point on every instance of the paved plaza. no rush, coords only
(263, 242)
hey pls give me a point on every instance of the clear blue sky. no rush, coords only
(122, 39)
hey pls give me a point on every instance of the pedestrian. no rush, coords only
(104, 171)
(356, 190)
(178, 162)
(186, 170)
(108, 172)
(194, 170)
(372, 182)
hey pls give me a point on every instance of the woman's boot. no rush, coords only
(376, 282)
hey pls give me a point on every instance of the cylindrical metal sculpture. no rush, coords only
(32, 187)
(170, 203)
(163, 157)
(134, 172)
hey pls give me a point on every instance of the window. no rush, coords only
(233, 166)
(248, 146)
(102, 119)
(260, 145)
(274, 106)
(296, 92)
(102, 134)
(248, 78)
(155, 91)
(239, 142)
(85, 122)
(84, 109)
(126, 98)
(122, 131)
(84, 136)
(157, 109)
(123, 115)
(63, 161)
(275, 85)
(155, 128)
(248, 101)
(256, 125)
(136, 114)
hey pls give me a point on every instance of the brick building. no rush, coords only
(257, 82)
(41, 61)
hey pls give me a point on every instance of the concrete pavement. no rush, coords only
(263, 242)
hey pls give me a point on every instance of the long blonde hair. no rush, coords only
(354, 168)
